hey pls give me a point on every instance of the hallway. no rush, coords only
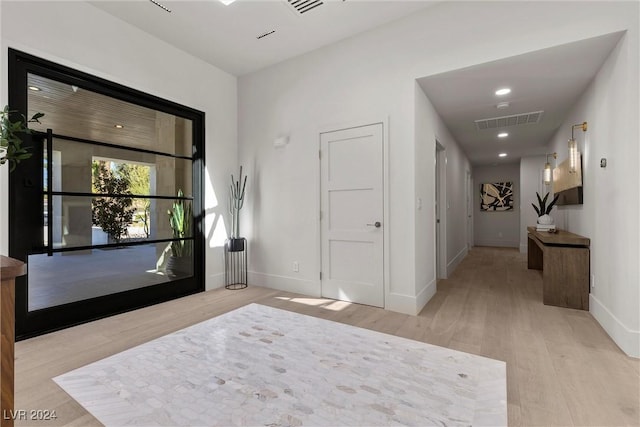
(562, 368)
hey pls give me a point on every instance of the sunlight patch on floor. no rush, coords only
(327, 304)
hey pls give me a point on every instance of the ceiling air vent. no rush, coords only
(304, 6)
(265, 34)
(517, 119)
(161, 6)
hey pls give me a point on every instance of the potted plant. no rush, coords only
(11, 149)
(236, 202)
(543, 210)
(181, 250)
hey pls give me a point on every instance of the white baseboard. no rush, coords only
(628, 340)
(214, 281)
(408, 304)
(425, 295)
(498, 243)
(457, 260)
(284, 283)
(400, 303)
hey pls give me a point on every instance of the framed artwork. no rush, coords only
(496, 196)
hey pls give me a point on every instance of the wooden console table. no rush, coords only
(9, 269)
(563, 258)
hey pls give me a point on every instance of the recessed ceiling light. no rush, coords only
(226, 2)
(36, 88)
(502, 105)
(502, 155)
(118, 126)
(503, 135)
(503, 91)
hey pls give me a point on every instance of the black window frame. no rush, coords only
(24, 216)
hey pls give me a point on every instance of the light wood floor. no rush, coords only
(562, 368)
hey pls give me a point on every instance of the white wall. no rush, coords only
(372, 75)
(609, 215)
(429, 127)
(457, 168)
(531, 182)
(497, 228)
(81, 36)
(300, 98)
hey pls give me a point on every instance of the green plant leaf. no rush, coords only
(11, 149)
(180, 218)
(536, 208)
(553, 202)
(36, 117)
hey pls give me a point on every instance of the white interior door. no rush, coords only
(351, 217)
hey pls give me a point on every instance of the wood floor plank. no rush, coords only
(541, 398)
(562, 368)
(585, 376)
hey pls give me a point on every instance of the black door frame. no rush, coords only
(26, 218)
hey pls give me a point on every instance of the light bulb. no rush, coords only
(574, 155)
(547, 173)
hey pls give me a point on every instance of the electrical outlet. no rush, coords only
(500, 234)
(593, 281)
(296, 266)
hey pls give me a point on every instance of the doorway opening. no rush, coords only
(441, 210)
(469, 210)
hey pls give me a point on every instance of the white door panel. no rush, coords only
(351, 204)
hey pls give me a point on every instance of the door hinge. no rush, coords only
(321, 275)
(320, 154)
(320, 215)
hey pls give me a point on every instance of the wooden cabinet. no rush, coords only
(9, 269)
(563, 258)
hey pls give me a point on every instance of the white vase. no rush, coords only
(545, 220)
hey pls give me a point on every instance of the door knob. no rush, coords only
(376, 224)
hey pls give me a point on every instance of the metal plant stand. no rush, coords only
(235, 261)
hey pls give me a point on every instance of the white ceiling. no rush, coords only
(551, 80)
(225, 36)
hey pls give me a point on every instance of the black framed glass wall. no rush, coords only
(107, 211)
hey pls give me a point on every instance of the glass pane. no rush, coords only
(77, 165)
(74, 111)
(78, 275)
(86, 221)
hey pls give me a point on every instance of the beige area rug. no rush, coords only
(263, 366)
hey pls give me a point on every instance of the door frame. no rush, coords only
(470, 204)
(32, 323)
(442, 209)
(366, 121)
